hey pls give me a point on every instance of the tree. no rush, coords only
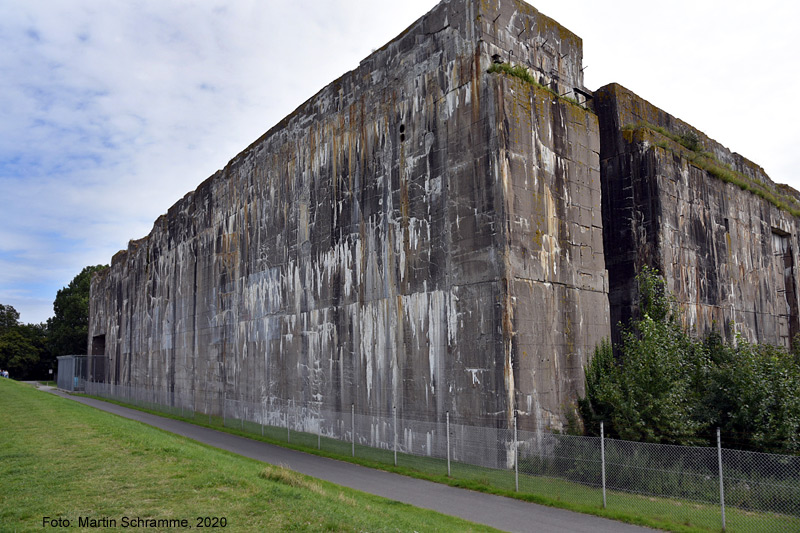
(69, 327)
(663, 385)
(754, 395)
(647, 395)
(9, 318)
(23, 350)
(17, 354)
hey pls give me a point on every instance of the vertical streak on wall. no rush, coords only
(722, 250)
(379, 246)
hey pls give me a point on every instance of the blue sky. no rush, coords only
(112, 111)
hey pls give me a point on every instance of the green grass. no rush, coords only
(661, 513)
(704, 160)
(65, 460)
(522, 73)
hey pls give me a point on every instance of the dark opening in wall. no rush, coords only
(97, 359)
(789, 323)
(402, 132)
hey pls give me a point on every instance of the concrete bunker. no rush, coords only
(427, 236)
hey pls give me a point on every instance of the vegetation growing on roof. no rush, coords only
(705, 160)
(522, 72)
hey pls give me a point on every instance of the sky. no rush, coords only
(110, 112)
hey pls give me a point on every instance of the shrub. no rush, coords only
(663, 385)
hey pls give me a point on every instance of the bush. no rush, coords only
(663, 385)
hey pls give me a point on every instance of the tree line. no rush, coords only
(664, 384)
(29, 351)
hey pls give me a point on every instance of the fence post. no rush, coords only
(262, 416)
(319, 433)
(603, 461)
(516, 455)
(721, 483)
(353, 423)
(394, 409)
(224, 407)
(448, 442)
(288, 431)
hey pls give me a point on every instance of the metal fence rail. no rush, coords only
(705, 486)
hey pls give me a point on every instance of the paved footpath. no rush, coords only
(495, 511)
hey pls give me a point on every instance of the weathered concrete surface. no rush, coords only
(427, 235)
(558, 287)
(419, 234)
(727, 254)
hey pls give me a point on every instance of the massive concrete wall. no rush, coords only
(421, 234)
(554, 247)
(428, 235)
(727, 254)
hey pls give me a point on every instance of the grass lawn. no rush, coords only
(660, 513)
(63, 460)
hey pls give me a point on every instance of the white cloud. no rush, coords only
(729, 68)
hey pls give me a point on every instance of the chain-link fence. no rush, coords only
(71, 372)
(706, 487)
(162, 401)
